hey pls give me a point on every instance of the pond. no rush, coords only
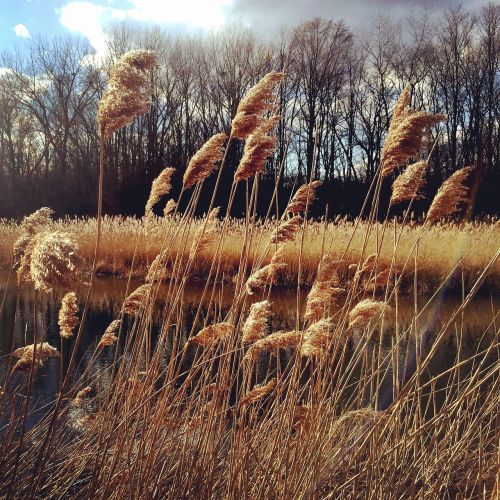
(23, 310)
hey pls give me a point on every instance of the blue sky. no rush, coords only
(22, 19)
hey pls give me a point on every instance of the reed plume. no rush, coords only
(277, 340)
(406, 134)
(255, 325)
(452, 193)
(82, 396)
(286, 230)
(258, 392)
(54, 261)
(316, 338)
(133, 302)
(30, 226)
(305, 195)
(160, 187)
(68, 318)
(169, 208)
(366, 310)
(267, 274)
(258, 148)
(324, 289)
(109, 336)
(204, 234)
(157, 270)
(204, 160)
(252, 107)
(409, 184)
(212, 334)
(33, 358)
(127, 95)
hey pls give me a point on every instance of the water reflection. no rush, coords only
(25, 312)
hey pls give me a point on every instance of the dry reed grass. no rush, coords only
(222, 408)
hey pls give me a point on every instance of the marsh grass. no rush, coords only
(124, 241)
(340, 406)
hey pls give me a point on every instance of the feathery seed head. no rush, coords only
(277, 340)
(305, 195)
(128, 91)
(267, 274)
(212, 334)
(109, 336)
(286, 230)
(160, 187)
(452, 193)
(68, 318)
(205, 160)
(256, 102)
(258, 392)
(134, 301)
(54, 261)
(409, 184)
(258, 148)
(255, 325)
(366, 310)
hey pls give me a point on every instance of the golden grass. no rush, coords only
(439, 249)
(348, 402)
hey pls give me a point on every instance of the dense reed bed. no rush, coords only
(129, 240)
(347, 403)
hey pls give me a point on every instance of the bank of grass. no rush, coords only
(127, 241)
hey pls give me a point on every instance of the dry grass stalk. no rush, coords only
(287, 230)
(169, 208)
(68, 318)
(81, 396)
(267, 274)
(304, 195)
(365, 311)
(133, 302)
(54, 261)
(277, 340)
(128, 91)
(256, 102)
(258, 148)
(204, 160)
(409, 184)
(450, 196)
(406, 134)
(212, 334)
(109, 336)
(258, 392)
(316, 338)
(31, 358)
(160, 187)
(255, 325)
(204, 235)
(323, 290)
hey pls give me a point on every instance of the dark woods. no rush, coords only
(335, 106)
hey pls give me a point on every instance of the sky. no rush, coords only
(22, 19)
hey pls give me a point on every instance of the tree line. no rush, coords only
(335, 106)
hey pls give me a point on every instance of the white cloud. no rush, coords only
(21, 31)
(90, 19)
(195, 13)
(85, 18)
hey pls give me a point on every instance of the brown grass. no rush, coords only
(440, 247)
